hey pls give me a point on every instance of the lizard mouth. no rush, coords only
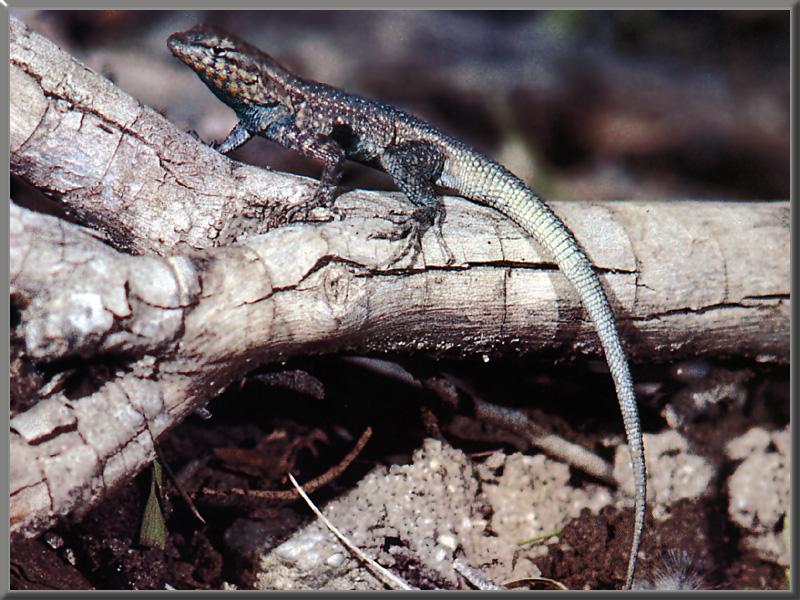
(180, 47)
(193, 53)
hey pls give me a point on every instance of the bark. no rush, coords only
(124, 168)
(211, 296)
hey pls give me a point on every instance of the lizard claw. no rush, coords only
(412, 228)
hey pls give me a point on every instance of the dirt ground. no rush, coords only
(415, 502)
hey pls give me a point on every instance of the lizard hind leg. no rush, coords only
(414, 166)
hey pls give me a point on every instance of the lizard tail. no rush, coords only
(504, 192)
(538, 220)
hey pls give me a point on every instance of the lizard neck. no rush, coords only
(280, 84)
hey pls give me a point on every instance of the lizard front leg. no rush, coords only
(277, 125)
(414, 166)
(238, 136)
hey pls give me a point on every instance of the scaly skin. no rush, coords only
(329, 124)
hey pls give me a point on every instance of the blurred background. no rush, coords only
(581, 104)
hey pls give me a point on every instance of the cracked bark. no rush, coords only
(185, 279)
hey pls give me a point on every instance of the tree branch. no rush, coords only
(122, 167)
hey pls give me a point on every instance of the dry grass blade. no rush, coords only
(388, 578)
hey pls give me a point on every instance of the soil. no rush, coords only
(267, 427)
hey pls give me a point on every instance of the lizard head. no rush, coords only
(233, 69)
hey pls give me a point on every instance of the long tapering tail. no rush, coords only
(493, 185)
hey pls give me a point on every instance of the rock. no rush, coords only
(412, 519)
(673, 472)
(759, 491)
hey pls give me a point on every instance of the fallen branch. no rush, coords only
(504, 417)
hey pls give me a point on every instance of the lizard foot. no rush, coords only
(412, 228)
(318, 208)
(313, 213)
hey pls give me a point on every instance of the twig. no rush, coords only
(313, 484)
(475, 577)
(554, 445)
(178, 486)
(383, 367)
(507, 418)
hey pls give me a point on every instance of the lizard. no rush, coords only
(326, 123)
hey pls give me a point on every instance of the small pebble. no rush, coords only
(447, 540)
(335, 560)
